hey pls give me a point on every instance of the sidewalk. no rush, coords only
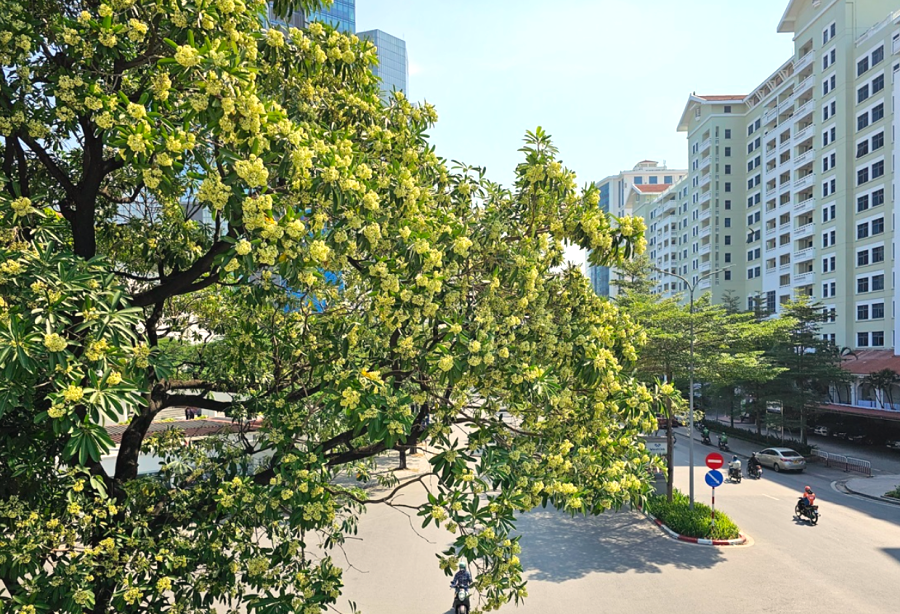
(874, 488)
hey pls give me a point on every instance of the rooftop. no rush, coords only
(653, 188)
(869, 361)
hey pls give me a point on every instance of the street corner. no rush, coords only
(743, 541)
(873, 488)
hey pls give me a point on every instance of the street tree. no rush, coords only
(883, 381)
(199, 210)
(811, 364)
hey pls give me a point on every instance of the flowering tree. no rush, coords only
(192, 203)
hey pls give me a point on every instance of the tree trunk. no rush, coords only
(731, 396)
(402, 458)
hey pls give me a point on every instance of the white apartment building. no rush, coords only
(626, 193)
(791, 189)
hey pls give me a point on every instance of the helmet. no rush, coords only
(734, 458)
(753, 455)
(463, 565)
(808, 489)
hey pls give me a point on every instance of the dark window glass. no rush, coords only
(862, 203)
(862, 93)
(862, 340)
(862, 258)
(877, 338)
(862, 148)
(877, 112)
(862, 312)
(878, 254)
(878, 169)
(878, 226)
(877, 311)
(877, 282)
(862, 121)
(862, 176)
(877, 55)
(727, 222)
(862, 285)
(878, 141)
(727, 133)
(878, 197)
(877, 84)
(862, 230)
(862, 66)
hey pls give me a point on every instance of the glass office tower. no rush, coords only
(393, 67)
(341, 15)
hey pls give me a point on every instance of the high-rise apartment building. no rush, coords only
(791, 188)
(393, 65)
(625, 193)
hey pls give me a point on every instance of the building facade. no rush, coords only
(624, 194)
(341, 15)
(393, 64)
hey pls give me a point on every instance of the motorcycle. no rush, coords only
(754, 471)
(734, 474)
(704, 439)
(810, 512)
(723, 445)
(460, 599)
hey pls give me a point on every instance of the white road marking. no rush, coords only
(771, 497)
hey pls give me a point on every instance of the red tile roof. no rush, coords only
(652, 188)
(883, 414)
(870, 361)
(733, 97)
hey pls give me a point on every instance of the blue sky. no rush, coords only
(607, 78)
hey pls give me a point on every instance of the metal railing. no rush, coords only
(846, 463)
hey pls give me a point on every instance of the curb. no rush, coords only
(740, 541)
(890, 500)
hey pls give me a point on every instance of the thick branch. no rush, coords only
(184, 282)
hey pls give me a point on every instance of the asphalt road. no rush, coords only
(621, 562)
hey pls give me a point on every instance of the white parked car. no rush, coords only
(895, 444)
(782, 459)
(822, 430)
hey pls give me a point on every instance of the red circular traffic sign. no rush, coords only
(714, 460)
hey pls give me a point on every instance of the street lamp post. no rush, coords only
(691, 287)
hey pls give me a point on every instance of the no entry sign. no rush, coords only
(714, 460)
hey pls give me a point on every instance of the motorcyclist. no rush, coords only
(753, 464)
(734, 467)
(723, 440)
(462, 579)
(809, 497)
(705, 434)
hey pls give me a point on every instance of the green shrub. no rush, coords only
(765, 440)
(678, 516)
(894, 493)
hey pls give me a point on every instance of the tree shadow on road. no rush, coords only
(557, 547)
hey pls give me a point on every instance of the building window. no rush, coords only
(727, 275)
(877, 141)
(862, 121)
(728, 152)
(638, 181)
(862, 340)
(727, 133)
(877, 55)
(878, 169)
(654, 180)
(862, 203)
(862, 230)
(727, 222)
(877, 112)
(878, 197)
(727, 169)
(878, 338)
(862, 93)
(862, 176)
(862, 66)
(877, 282)
(727, 239)
(877, 84)
(862, 285)
(878, 226)
(862, 312)
(727, 205)
(728, 186)
(862, 258)
(878, 311)
(878, 254)
(728, 108)
(727, 257)
(667, 179)
(862, 148)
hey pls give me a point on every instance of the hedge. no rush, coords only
(765, 440)
(678, 516)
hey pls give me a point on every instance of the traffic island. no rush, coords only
(696, 526)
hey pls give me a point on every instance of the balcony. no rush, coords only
(803, 133)
(804, 109)
(771, 231)
(804, 278)
(705, 214)
(804, 182)
(705, 162)
(804, 231)
(705, 145)
(770, 115)
(786, 143)
(803, 62)
(784, 266)
(705, 179)
(786, 104)
(803, 85)
(705, 249)
(803, 158)
(804, 206)
(705, 197)
(804, 254)
(770, 189)
(705, 232)
(704, 283)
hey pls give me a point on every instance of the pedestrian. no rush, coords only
(187, 413)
